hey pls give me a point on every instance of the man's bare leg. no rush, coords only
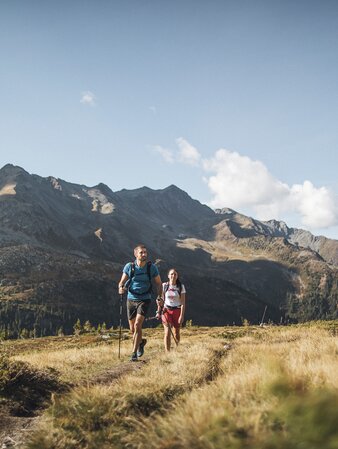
(137, 331)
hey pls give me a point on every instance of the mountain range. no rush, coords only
(63, 247)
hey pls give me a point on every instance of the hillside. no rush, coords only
(63, 246)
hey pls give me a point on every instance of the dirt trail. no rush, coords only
(14, 429)
(117, 372)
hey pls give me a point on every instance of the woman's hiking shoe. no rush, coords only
(140, 350)
(133, 357)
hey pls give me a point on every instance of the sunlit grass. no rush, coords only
(264, 376)
(103, 416)
(237, 388)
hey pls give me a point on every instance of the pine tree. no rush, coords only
(78, 329)
(87, 327)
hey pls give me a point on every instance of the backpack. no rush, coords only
(132, 275)
(166, 288)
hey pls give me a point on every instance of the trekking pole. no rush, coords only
(262, 322)
(151, 318)
(120, 330)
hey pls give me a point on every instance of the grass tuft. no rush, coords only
(26, 387)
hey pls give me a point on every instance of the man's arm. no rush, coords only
(122, 282)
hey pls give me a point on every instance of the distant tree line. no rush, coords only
(23, 320)
(317, 303)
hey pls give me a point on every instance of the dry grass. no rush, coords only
(271, 388)
(263, 373)
(103, 416)
(75, 364)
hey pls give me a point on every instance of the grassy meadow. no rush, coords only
(227, 387)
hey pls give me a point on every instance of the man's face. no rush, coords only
(141, 254)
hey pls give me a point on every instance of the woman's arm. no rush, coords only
(181, 317)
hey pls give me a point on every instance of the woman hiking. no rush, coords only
(174, 307)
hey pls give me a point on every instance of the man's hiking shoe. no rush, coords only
(133, 357)
(140, 350)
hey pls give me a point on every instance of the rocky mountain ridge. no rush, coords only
(325, 247)
(63, 245)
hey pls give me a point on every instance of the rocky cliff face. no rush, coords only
(63, 245)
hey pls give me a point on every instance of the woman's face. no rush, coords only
(172, 276)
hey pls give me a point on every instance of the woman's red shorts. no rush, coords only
(171, 317)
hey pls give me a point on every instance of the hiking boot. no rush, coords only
(140, 350)
(133, 357)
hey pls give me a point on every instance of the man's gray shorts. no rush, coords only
(136, 307)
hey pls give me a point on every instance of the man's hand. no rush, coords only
(121, 290)
(122, 282)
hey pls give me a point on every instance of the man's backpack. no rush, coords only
(132, 275)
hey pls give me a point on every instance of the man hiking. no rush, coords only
(137, 278)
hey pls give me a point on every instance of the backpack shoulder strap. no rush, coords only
(166, 287)
(131, 274)
(132, 270)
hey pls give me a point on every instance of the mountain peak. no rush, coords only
(172, 187)
(10, 169)
(106, 190)
(225, 211)
(280, 228)
(175, 190)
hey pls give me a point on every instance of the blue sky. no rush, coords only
(235, 102)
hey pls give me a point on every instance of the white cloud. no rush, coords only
(167, 155)
(187, 153)
(241, 183)
(317, 206)
(88, 98)
(246, 185)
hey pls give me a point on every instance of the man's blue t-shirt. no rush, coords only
(140, 281)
